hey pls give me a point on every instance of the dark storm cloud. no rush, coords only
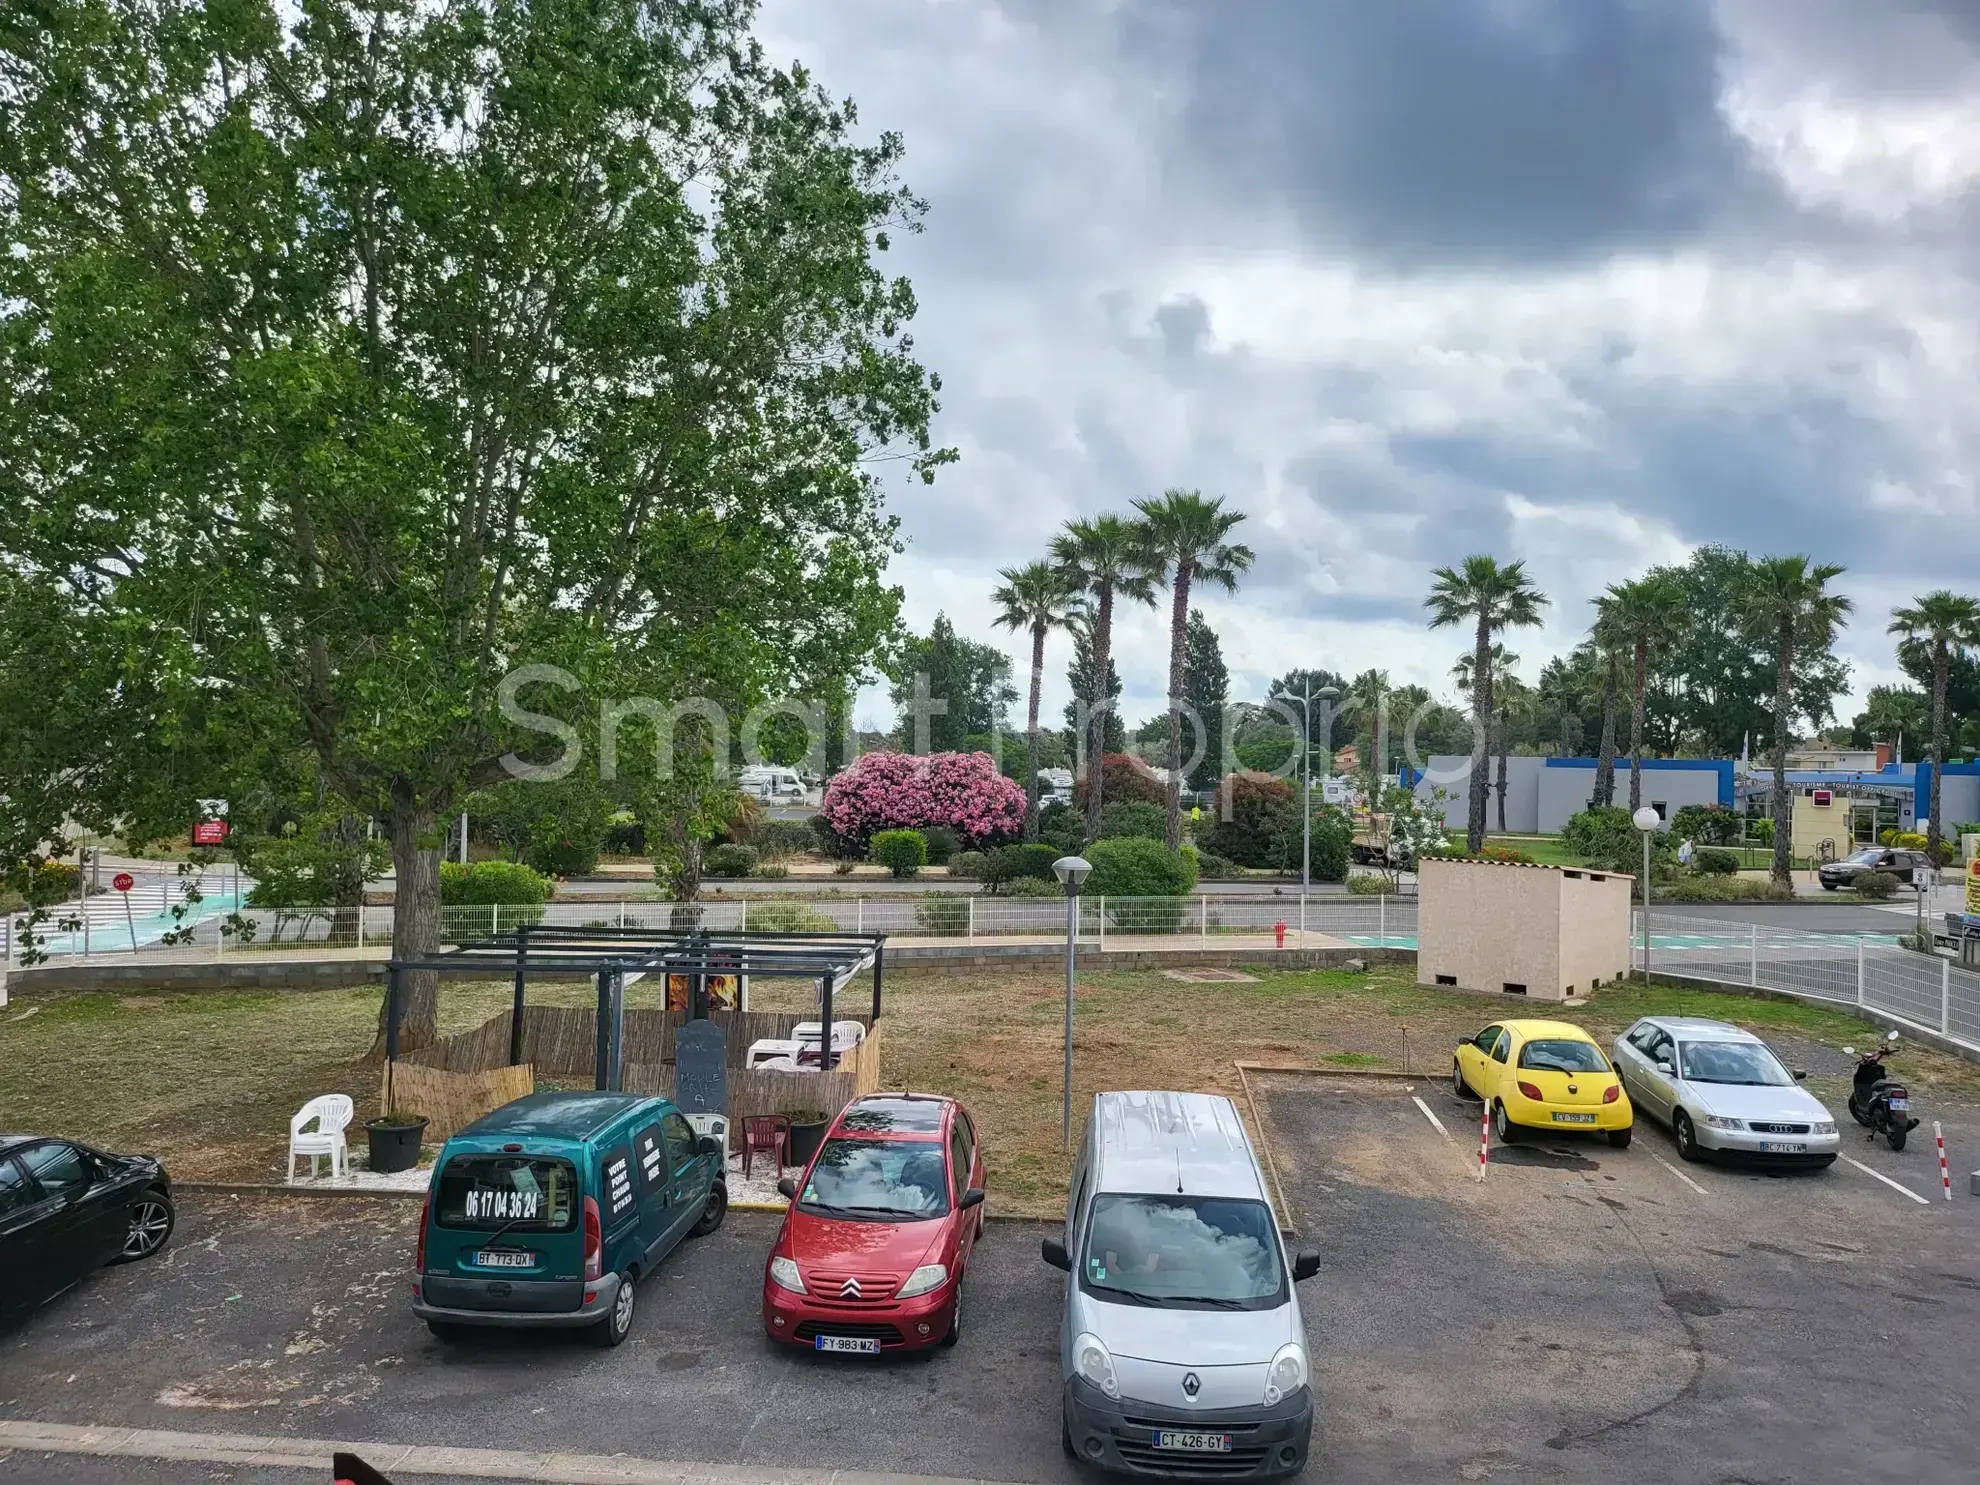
(1414, 131)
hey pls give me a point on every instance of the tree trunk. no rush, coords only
(347, 890)
(1605, 757)
(1031, 733)
(1783, 807)
(1103, 644)
(1941, 666)
(1178, 678)
(1636, 728)
(413, 825)
(1504, 728)
(1481, 712)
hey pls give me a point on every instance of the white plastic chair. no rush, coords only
(331, 1113)
(712, 1126)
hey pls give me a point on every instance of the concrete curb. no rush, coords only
(402, 1460)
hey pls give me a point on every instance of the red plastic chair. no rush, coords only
(771, 1132)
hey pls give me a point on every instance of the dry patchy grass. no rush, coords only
(209, 1081)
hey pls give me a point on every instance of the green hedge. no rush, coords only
(503, 883)
(1131, 819)
(1711, 861)
(1138, 868)
(1008, 863)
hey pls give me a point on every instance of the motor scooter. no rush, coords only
(1881, 1106)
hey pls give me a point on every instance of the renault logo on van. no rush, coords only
(1192, 1384)
(849, 1289)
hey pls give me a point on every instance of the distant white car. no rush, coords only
(1722, 1090)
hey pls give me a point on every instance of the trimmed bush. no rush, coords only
(775, 870)
(902, 852)
(1012, 862)
(969, 866)
(1210, 867)
(625, 836)
(1713, 862)
(731, 861)
(1333, 837)
(1063, 828)
(1723, 889)
(829, 843)
(503, 883)
(562, 858)
(1762, 830)
(1132, 819)
(1875, 885)
(1132, 867)
(1608, 840)
(1368, 884)
(942, 913)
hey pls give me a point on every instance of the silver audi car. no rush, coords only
(1723, 1091)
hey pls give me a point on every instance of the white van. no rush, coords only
(771, 783)
(1182, 1351)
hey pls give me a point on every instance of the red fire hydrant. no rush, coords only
(1279, 932)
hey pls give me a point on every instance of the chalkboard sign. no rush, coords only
(617, 1166)
(701, 1075)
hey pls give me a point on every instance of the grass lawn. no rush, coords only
(1545, 849)
(209, 1081)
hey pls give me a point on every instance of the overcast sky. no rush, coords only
(1586, 282)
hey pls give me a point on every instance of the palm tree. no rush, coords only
(1892, 711)
(1184, 535)
(1646, 616)
(1368, 693)
(1785, 603)
(1492, 598)
(1104, 557)
(1940, 622)
(1510, 695)
(1038, 597)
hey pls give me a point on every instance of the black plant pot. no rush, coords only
(805, 1140)
(394, 1146)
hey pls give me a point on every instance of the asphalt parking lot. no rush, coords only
(1585, 1313)
(1593, 1313)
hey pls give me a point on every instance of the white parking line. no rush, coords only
(1431, 1114)
(1888, 1181)
(1675, 1171)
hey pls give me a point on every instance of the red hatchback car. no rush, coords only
(873, 1250)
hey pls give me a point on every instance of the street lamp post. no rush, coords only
(1647, 820)
(1327, 694)
(1071, 871)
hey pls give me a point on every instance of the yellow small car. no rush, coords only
(1543, 1075)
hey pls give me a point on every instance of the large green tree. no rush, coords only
(1207, 689)
(1187, 539)
(356, 355)
(947, 688)
(1785, 602)
(1491, 597)
(1086, 693)
(1939, 623)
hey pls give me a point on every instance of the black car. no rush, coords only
(66, 1210)
(1896, 860)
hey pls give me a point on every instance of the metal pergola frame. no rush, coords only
(615, 957)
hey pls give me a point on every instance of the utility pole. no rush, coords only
(1328, 694)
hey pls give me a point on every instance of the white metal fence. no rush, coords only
(1868, 970)
(913, 917)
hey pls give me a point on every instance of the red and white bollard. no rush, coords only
(1484, 1136)
(1945, 1174)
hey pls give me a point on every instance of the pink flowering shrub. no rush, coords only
(900, 791)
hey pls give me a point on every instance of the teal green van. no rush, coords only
(550, 1210)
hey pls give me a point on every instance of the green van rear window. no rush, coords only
(528, 1192)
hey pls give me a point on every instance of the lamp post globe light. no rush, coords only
(1649, 822)
(1072, 872)
(1329, 695)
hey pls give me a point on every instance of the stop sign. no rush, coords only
(123, 881)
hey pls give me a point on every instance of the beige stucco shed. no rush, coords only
(1547, 932)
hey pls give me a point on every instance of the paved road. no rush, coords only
(1840, 918)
